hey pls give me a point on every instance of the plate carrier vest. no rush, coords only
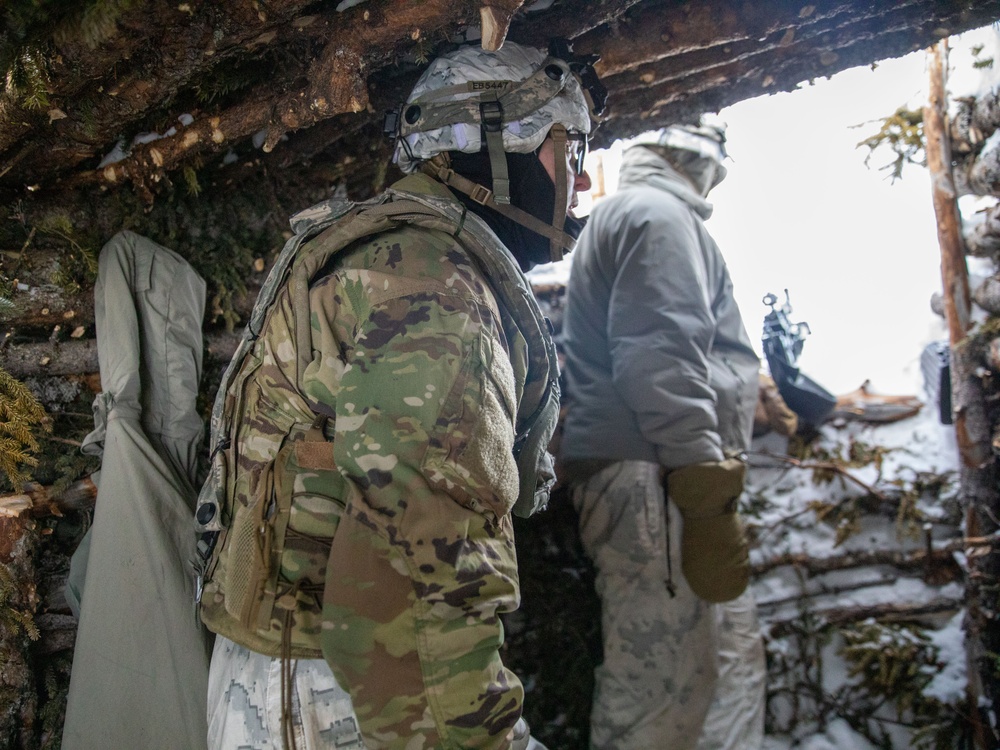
(242, 592)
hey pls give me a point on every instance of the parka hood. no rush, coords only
(642, 166)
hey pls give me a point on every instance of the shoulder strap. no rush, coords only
(329, 228)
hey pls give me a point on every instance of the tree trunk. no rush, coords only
(979, 489)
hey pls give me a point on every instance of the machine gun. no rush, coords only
(783, 341)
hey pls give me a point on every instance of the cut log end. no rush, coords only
(495, 24)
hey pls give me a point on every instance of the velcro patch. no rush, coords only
(313, 455)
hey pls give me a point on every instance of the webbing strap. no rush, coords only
(492, 115)
(558, 135)
(518, 100)
(439, 169)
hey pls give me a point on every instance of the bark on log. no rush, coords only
(199, 40)
(976, 119)
(980, 497)
(18, 602)
(716, 86)
(684, 46)
(942, 554)
(982, 173)
(194, 50)
(57, 632)
(49, 306)
(79, 357)
(38, 501)
(984, 239)
(987, 295)
(973, 424)
(904, 612)
(993, 360)
(337, 85)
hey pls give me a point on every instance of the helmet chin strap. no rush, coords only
(558, 135)
(439, 167)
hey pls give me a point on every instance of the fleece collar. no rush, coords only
(644, 167)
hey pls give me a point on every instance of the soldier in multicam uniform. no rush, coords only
(663, 383)
(389, 407)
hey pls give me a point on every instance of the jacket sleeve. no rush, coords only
(660, 330)
(423, 561)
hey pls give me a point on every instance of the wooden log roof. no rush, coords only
(229, 116)
(302, 85)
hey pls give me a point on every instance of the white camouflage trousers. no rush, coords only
(678, 672)
(244, 703)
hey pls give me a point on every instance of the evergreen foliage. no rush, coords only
(78, 265)
(26, 80)
(21, 19)
(52, 708)
(903, 133)
(97, 24)
(20, 414)
(11, 616)
(893, 665)
(191, 180)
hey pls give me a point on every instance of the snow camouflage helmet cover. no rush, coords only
(461, 77)
(706, 141)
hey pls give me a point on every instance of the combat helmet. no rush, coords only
(504, 101)
(697, 151)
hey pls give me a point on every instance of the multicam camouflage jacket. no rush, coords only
(371, 444)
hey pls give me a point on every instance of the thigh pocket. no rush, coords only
(635, 510)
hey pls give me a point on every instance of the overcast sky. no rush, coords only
(800, 210)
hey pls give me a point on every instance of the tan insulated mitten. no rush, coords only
(778, 416)
(714, 553)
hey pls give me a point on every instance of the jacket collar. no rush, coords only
(644, 167)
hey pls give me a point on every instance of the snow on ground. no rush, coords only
(838, 736)
(781, 497)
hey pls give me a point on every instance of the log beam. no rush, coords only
(80, 357)
(915, 561)
(38, 501)
(887, 612)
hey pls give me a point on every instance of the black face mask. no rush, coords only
(531, 190)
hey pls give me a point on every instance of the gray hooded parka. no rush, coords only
(659, 365)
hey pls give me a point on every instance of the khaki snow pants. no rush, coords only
(678, 672)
